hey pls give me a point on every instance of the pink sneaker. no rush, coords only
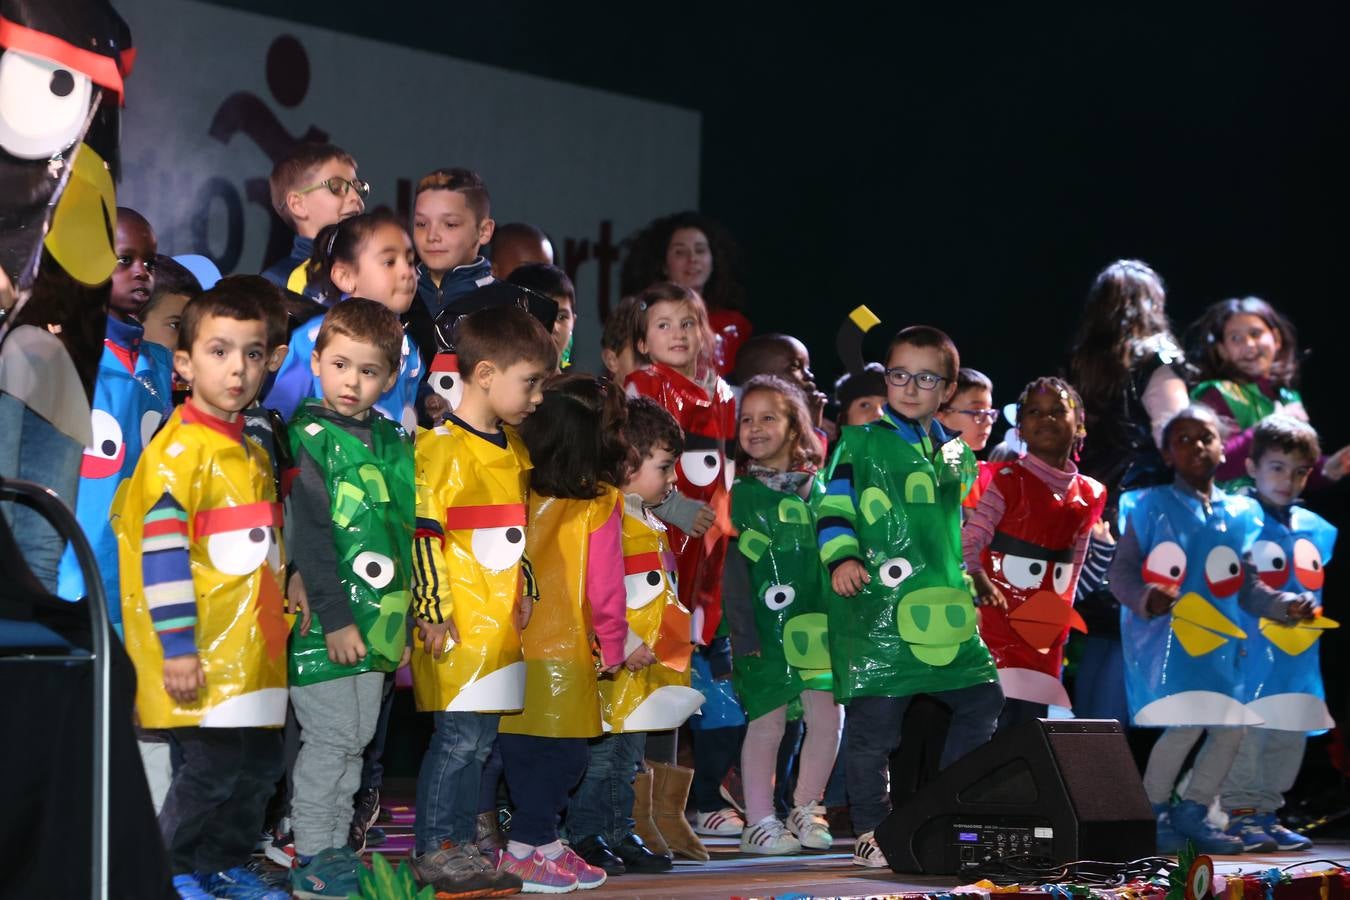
(537, 874)
(587, 875)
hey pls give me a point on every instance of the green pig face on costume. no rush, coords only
(934, 621)
(806, 644)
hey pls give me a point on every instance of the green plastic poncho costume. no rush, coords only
(372, 508)
(892, 500)
(789, 587)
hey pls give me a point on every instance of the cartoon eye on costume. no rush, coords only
(498, 548)
(1063, 575)
(1023, 572)
(375, 569)
(1223, 571)
(1166, 564)
(894, 571)
(445, 380)
(43, 105)
(104, 456)
(700, 467)
(779, 596)
(642, 588)
(1308, 565)
(1271, 565)
(239, 539)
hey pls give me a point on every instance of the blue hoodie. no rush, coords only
(431, 301)
(282, 271)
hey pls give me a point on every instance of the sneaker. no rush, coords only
(724, 822)
(1285, 838)
(1245, 826)
(1190, 823)
(537, 874)
(732, 790)
(866, 852)
(365, 810)
(331, 875)
(281, 848)
(270, 875)
(376, 837)
(810, 826)
(241, 884)
(487, 834)
(768, 837)
(461, 871)
(189, 888)
(1167, 841)
(587, 875)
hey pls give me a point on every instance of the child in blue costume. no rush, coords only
(368, 256)
(1179, 575)
(1283, 676)
(131, 399)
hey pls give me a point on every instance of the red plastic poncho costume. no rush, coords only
(1031, 559)
(705, 472)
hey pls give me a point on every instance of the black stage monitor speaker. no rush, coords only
(1065, 789)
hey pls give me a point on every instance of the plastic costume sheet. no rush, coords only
(295, 380)
(789, 589)
(561, 693)
(1185, 667)
(896, 506)
(704, 472)
(1031, 561)
(474, 492)
(372, 495)
(721, 708)
(224, 484)
(1283, 675)
(1245, 406)
(658, 697)
(131, 400)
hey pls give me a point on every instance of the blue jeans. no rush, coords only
(33, 450)
(447, 786)
(873, 733)
(603, 802)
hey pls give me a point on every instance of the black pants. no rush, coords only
(1018, 712)
(716, 750)
(540, 774)
(214, 809)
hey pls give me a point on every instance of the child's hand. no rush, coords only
(524, 609)
(437, 638)
(639, 659)
(1101, 531)
(406, 657)
(1302, 609)
(1160, 598)
(1335, 467)
(345, 646)
(297, 601)
(849, 578)
(183, 677)
(703, 520)
(987, 593)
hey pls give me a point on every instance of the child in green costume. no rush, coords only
(903, 623)
(351, 521)
(778, 632)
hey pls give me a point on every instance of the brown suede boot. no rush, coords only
(645, 825)
(670, 794)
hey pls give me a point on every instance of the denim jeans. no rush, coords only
(540, 774)
(447, 786)
(1266, 767)
(603, 802)
(874, 733)
(33, 450)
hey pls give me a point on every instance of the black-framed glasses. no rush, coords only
(339, 186)
(980, 415)
(925, 381)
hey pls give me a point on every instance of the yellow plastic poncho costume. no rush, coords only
(466, 567)
(198, 530)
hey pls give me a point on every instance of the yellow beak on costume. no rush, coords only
(1298, 636)
(1200, 627)
(81, 235)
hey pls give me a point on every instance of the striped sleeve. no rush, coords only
(167, 576)
(835, 531)
(1092, 576)
(430, 577)
(529, 587)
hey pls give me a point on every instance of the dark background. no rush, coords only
(974, 169)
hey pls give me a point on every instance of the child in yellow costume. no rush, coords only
(197, 527)
(575, 547)
(651, 692)
(468, 572)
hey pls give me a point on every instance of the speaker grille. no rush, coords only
(1091, 765)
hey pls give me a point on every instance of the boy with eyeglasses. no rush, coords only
(971, 414)
(889, 530)
(315, 186)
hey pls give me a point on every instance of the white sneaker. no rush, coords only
(809, 825)
(768, 837)
(867, 853)
(722, 823)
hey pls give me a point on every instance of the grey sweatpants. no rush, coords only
(1264, 771)
(337, 719)
(1211, 763)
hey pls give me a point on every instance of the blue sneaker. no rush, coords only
(331, 875)
(189, 888)
(1168, 841)
(241, 884)
(1284, 838)
(1190, 824)
(1247, 827)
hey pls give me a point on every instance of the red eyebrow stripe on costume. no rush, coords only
(102, 70)
(642, 562)
(237, 518)
(499, 515)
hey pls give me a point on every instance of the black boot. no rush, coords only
(595, 850)
(639, 859)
